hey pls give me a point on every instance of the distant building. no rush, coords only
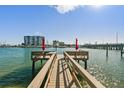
(61, 44)
(33, 40)
(57, 43)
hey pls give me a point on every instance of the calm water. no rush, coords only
(15, 66)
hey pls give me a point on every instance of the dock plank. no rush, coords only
(61, 76)
(52, 81)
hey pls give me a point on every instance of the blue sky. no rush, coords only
(87, 23)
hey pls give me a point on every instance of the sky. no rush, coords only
(89, 24)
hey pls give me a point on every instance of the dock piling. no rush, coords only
(33, 68)
(107, 50)
(41, 61)
(121, 50)
(78, 61)
(85, 64)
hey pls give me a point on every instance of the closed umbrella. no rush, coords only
(76, 47)
(43, 44)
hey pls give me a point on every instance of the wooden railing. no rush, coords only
(38, 80)
(82, 54)
(87, 76)
(36, 54)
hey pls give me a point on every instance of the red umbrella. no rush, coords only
(43, 44)
(76, 47)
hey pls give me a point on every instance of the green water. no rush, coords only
(16, 66)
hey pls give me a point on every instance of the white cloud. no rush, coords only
(62, 9)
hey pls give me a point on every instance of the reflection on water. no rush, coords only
(16, 66)
(109, 71)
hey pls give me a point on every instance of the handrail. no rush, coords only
(40, 53)
(87, 76)
(38, 80)
(79, 53)
(50, 72)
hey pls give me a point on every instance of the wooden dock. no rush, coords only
(60, 71)
(119, 47)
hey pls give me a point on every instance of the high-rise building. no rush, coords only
(33, 40)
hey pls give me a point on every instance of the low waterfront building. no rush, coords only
(57, 43)
(61, 44)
